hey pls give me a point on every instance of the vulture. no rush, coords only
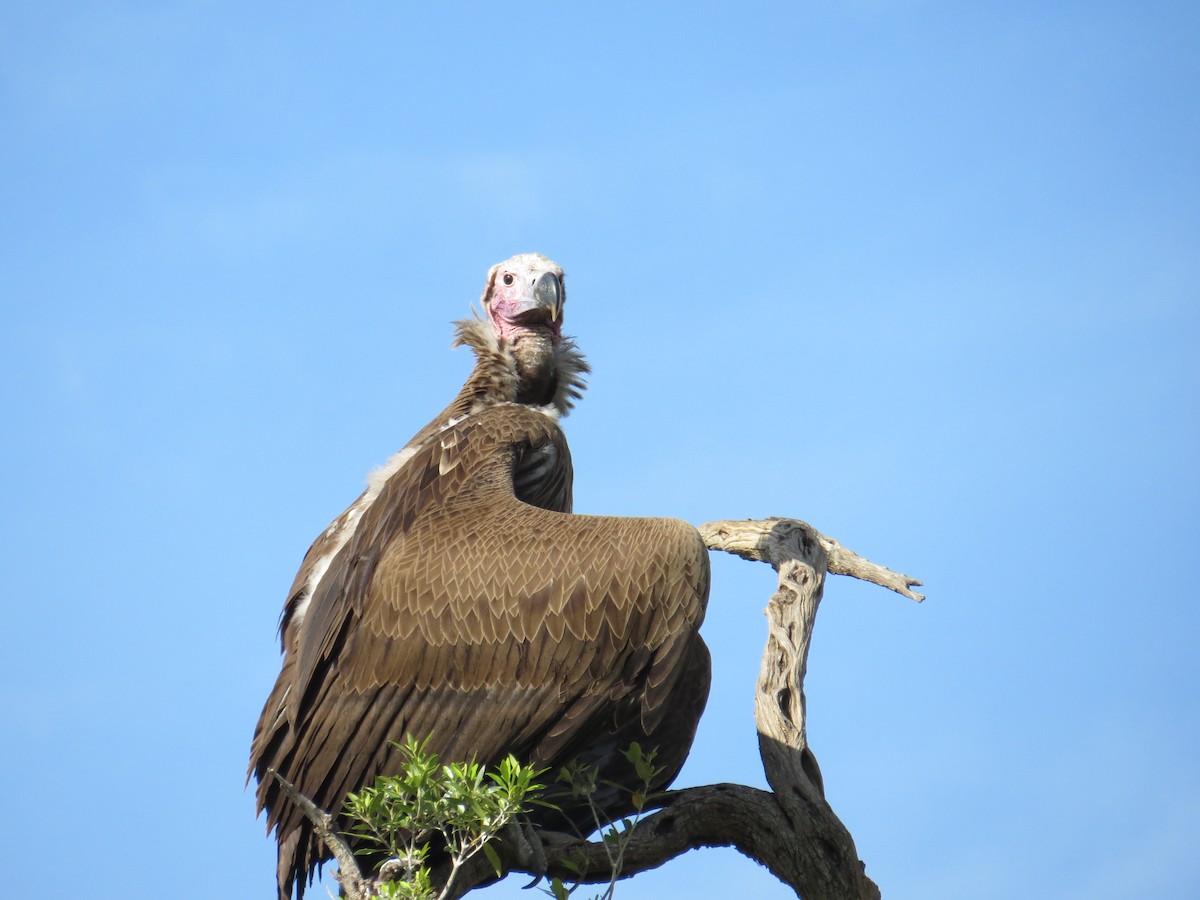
(459, 599)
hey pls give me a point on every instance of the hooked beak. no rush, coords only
(548, 295)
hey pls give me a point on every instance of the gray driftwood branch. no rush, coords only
(790, 829)
(745, 538)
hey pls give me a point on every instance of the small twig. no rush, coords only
(746, 538)
(349, 875)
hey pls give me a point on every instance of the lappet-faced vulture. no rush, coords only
(459, 599)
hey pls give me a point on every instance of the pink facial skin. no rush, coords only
(524, 300)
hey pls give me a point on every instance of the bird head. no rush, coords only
(524, 295)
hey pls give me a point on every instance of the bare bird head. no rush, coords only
(524, 296)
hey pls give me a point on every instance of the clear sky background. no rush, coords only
(924, 274)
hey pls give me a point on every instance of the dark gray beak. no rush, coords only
(548, 293)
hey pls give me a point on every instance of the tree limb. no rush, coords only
(718, 815)
(745, 538)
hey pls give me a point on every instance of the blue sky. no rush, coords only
(923, 274)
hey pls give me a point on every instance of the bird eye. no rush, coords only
(508, 278)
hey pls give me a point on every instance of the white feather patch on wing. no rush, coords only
(378, 477)
(342, 530)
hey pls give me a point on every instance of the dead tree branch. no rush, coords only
(745, 538)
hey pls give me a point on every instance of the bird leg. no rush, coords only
(527, 845)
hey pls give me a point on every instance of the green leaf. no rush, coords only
(494, 858)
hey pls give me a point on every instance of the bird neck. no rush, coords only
(533, 368)
(536, 365)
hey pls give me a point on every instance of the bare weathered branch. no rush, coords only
(718, 815)
(744, 538)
